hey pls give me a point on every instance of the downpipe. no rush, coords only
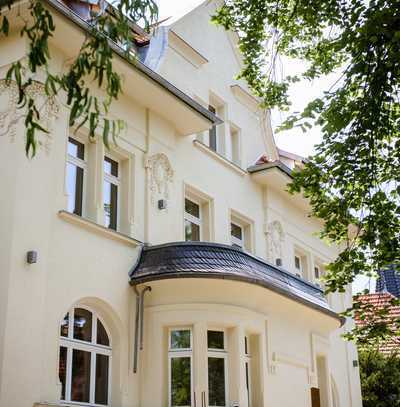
(139, 324)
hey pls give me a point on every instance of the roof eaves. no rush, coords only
(267, 166)
(220, 274)
(150, 74)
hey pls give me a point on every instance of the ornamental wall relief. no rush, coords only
(161, 175)
(9, 117)
(275, 240)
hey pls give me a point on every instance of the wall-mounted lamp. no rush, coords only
(278, 262)
(31, 257)
(355, 363)
(162, 204)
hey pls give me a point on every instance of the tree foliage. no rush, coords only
(353, 180)
(93, 64)
(380, 379)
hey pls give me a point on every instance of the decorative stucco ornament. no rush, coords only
(47, 105)
(161, 175)
(275, 239)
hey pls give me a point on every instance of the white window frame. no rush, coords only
(117, 182)
(93, 348)
(299, 271)
(81, 164)
(190, 218)
(221, 354)
(247, 361)
(236, 241)
(180, 353)
(317, 280)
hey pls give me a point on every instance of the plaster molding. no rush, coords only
(283, 358)
(275, 240)
(161, 175)
(10, 116)
(195, 306)
(318, 345)
(97, 228)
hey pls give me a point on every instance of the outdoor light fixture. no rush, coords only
(355, 363)
(278, 262)
(31, 257)
(162, 204)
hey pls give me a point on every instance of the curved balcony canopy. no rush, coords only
(212, 260)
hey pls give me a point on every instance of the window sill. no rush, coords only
(219, 157)
(95, 227)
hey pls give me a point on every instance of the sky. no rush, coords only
(300, 94)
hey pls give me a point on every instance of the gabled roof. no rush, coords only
(218, 261)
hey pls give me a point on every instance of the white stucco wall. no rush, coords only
(79, 262)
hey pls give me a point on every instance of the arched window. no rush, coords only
(85, 358)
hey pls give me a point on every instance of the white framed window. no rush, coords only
(217, 368)
(84, 359)
(212, 133)
(216, 134)
(192, 220)
(241, 231)
(318, 274)
(111, 192)
(299, 265)
(247, 361)
(75, 175)
(180, 367)
(237, 235)
(234, 145)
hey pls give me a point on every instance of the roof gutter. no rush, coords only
(276, 164)
(138, 65)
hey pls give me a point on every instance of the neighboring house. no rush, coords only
(379, 301)
(389, 281)
(172, 270)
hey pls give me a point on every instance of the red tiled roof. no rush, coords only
(380, 301)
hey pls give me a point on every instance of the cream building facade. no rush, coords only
(174, 269)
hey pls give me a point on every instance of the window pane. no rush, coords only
(192, 232)
(62, 370)
(213, 138)
(192, 208)
(74, 188)
(76, 149)
(110, 204)
(297, 262)
(102, 337)
(213, 131)
(180, 339)
(80, 380)
(64, 325)
(181, 382)
(83, 324)
(215, 339)
(110, 167)
(216, 381)
(101, 390)
(236, 231)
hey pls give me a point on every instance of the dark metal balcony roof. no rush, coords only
(212, 260)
